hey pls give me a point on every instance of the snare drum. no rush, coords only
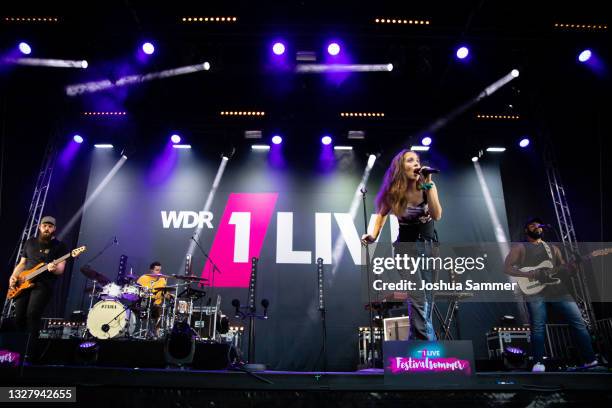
(131, 293)
(183, 307)
(110, 291)
(109, 319)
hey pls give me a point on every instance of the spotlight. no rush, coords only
(419, 148)
(496, 149)
(462, 52)
(524, 142)
(475, 159)
(371, 160)
(514, 358)
(77, 138)
(260, 147)
(343, 147)
(426, 141)
(181, 146)
(326, 140)
(584, 56)
(277, 140)
(84, 64)
(87, 353)
(206, 66)
(515, 73)
(25, 48)
(278, 48)
(333, 49)
(148, 48)
(175, 139)
(179, 349)
(103, 146)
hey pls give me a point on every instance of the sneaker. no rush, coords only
(594, 366)
(538, 368)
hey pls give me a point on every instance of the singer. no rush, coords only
(409, 193)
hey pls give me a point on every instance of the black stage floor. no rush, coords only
(366, 380)
(135, 387)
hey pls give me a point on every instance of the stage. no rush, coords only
(318, 187)
(97, 386)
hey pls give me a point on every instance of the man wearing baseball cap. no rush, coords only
(532, 253)
(44, 248)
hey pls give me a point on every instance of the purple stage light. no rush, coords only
(277, 140)
(278, 48)
(585, 56)
(514, 350)
(175, 139)
(426, 141)
(333, 49)
(25, 48)
(77, 138)
(462, 52)
(524, 142)
(148, 48)
(326, 140)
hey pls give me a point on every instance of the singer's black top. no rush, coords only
(416, 224)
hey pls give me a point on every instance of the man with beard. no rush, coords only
(30, 305)
(532, 253)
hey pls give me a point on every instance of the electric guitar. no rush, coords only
(531, 286)
(24, 279)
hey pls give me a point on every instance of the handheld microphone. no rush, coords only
(425, 171)
(544, 226)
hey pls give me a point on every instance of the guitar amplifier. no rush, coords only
(500, 338)
(56, 328)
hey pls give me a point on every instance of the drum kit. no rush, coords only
(133, 310)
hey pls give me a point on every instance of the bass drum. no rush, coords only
(109, 319)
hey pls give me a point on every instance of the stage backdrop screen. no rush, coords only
(285, 212)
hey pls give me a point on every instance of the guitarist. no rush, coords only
(30, 305)
(531, 253)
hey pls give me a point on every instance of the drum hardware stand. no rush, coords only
(215, 268)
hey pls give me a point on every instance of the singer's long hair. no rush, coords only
(392, 193)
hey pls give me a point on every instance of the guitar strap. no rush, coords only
(548, 252)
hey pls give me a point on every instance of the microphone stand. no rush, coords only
(371, 363)
(96, 256)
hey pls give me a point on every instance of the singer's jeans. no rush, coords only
(569, 309)
(29, 308)
(420, 302)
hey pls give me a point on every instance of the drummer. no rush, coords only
(154, 280)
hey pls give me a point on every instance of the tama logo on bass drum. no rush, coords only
(108, 306)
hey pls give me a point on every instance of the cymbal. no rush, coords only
(164, 289)
(191, 292)
(92, 274)
(157, 275)
(190, 278)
